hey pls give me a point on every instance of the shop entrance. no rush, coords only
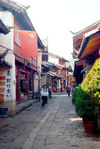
(23, 86)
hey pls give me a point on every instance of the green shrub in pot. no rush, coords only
(91, 83)
(86, 96)
(86, 106)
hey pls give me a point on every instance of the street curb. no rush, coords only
(25, 105)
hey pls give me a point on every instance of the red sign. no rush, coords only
(83, 62)
(28, 43)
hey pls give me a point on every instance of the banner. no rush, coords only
(28, 43)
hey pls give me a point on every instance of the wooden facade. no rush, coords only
(87, 46)
(25, 67)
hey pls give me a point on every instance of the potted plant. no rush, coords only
(91, 85)
(87, 108)
(86, 97)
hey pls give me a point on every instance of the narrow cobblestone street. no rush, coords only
(54, 127)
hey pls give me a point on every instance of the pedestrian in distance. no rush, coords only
(61, 90)
(66, 88)
(50, 92)
(72, 90)
(44, 95)
(68, 91)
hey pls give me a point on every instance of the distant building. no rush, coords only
(57, 70)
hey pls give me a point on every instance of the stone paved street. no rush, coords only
(54, 127)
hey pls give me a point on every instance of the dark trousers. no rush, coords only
(68, 92)
(44, 100)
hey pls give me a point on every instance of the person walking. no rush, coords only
(66, 88)
(50, 92)
(44, 95)
(68, 91)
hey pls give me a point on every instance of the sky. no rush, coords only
(54, 19)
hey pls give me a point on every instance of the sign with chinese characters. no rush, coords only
(6, 86)
(8, 94)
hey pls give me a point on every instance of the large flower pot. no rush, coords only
(89, 126)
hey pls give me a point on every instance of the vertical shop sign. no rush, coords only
(2, 85)
(6, 93)
(8, 85)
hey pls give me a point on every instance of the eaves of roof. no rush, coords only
(21, 15)
(86, 29)
(5, 64)
(90, 39)
(3, 28)
(57, 56)
(54, 74)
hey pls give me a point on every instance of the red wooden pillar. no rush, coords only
(53, 84)
(17, 84)
(33, 84)
(27, 80)
(99, 51)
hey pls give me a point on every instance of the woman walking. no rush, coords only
(44, 95)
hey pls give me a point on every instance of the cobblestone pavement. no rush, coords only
(54, 127)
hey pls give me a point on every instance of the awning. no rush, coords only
(84, 70)
(43, 64)
(49, 64)
(4, 64)
(54, 74)
(90, 43)
(3, 28)
(50, 74)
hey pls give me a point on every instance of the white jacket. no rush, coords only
(44, 92)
